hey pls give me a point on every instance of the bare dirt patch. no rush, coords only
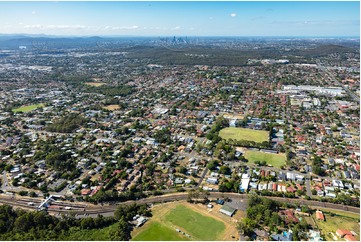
(112, 107)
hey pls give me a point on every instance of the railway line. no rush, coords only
(84, 208)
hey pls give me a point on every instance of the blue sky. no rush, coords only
(182, 18)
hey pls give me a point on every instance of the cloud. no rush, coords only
(233, 15)
(34, 26)
(121, 27)
(269, 10)
(33, 12)
(318, 22)
(59, 27)
(77, 27)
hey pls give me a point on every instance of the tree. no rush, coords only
(225, 170)
(212, 165)
(246, 226)
(122, 231)
(182, 170)
(87, 223)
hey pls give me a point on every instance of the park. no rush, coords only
(239, 134)
(28, 108)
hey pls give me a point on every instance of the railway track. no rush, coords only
(81, 209)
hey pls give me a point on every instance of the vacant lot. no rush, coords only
(28, 108)
(112, 107)
(276, 160)
(95, 84)
(230, 116)
(244, 134)
(338, 220)
(195, 220)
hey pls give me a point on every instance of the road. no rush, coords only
(6, 185)
(202, 177)
(308, 185)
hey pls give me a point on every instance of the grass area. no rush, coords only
(95, 84)
(341, 213)
(338, 220)
(276, 160)
(112, 107)
(233, 116)
(76, 234)
(28, 108)
(197, 225)
(195, 220)
(244, 134)
(158, 232)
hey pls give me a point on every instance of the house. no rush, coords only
(289, 216)
(314, 235)
(140, 220)
(211, 180)
(290, 176)
(320, 216)
(285, 236)
(262, 186)
(85, 192)
(343, 232)
(350, 238)
(261, 234)
(337, 183)
(227, 210)
(243, 186)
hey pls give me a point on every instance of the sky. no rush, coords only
(189, 18)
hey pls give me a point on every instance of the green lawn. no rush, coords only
(338, 220)
(198, 226)
(28, 108)
(276, 160)
(158, 232)
(244, 134)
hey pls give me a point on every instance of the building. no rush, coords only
(139, 220)
(343, 232)
(285, 236)
(227, 210)
(350, 238)
(320, 216)
(314, 235)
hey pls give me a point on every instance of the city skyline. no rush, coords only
(181, 18)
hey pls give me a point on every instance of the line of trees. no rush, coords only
(29, 225)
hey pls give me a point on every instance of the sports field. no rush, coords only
(194, 220)
(276, 160)
(95, 84)
(28, 108)
(197, 225)
(157, 231)
(244, 134)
